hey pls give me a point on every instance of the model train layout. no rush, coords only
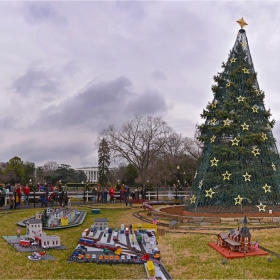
(136, 244)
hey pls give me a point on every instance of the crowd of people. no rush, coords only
(99, 195)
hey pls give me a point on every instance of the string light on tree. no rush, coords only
(200, 184)
(273, 167)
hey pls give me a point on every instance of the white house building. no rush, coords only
(91, 173)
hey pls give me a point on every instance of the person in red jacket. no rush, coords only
(26, 191)
(112, 193)
(18, 194)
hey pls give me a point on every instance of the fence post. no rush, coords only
(149, 195)
(87, 196)
(157, 194)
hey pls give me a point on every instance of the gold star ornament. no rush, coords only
(245, 126)
(233, 60)
(240, 98)
(228, 84)
(214, 104)
(213, 139)
(255, 152)
(213, 122)
(214, 162)
(209, 193)
(261, 207)
(255, 109)
(226, 176)
(273, 167)
(242, 22)
(264, 137)
(266, 188)
(257, 92)
(238, 200)
(247, 177)
(245, 70)
(235, 142)
(192, 199)
(227, 122)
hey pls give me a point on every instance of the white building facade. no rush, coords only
(91, 173)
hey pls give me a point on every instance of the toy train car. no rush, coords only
(115, 235)
(151, 268)
(86, 241)
(156, 254)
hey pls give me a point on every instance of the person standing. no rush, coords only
(136, 193)
(2, 197)
(126, 194)
(98, 192)
(112, 193)
(12, 202)
(26, 191)
(105, 194)
(94, 194)
(18, 194)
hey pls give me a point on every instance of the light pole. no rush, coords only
(30, 184)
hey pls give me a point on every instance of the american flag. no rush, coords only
(154, 221)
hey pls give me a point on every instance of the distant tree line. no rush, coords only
(17, 171)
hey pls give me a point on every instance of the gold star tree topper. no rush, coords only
(242, 22)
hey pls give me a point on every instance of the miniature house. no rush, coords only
(236, 239)
(32, 226)
(100, 223)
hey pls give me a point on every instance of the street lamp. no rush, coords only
(30, 184)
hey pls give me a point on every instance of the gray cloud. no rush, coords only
(38, 82)
(37, 12)
(158, 75)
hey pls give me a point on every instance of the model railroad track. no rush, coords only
(192, 229)
(136, 251)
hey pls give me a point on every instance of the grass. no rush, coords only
(186, 256)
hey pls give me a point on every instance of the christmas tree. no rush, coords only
(240, 162)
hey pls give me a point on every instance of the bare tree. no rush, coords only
(140, 141)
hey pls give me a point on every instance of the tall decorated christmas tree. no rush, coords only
(240, 163)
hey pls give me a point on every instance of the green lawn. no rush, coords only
(186, 256)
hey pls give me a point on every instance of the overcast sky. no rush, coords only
(70, 69)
